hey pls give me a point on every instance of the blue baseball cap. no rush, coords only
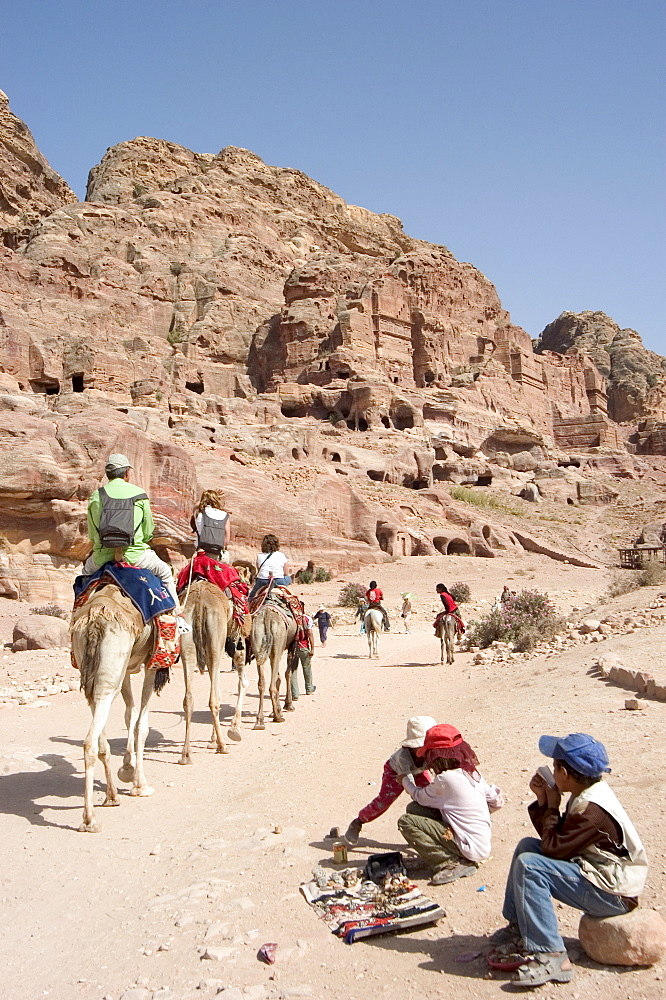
(585, 754)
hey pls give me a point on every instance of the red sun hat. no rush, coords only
(441, 737)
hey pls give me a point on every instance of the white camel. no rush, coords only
(373, 621)
(210, 615)
(109, 643)
(445, 630)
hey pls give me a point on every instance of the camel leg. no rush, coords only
(234, 732)
(140, 732)
(188, 705)
(105, 757)
(216, 742)
(275, 684)
(260, 724)
(126, 769)
(100, 713)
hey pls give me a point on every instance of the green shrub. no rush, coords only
(653, 574)
(460, 592)
(322, 575)
(480, 499)
(304, 576)
(350, 595)
(174, 337)
(623, 583)
(50, 609)
(524, 620)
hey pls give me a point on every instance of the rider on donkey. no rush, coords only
(108, 507)
(374, 598)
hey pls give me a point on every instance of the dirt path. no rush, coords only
(199, 865)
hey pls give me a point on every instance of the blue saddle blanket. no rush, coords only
(145, 590)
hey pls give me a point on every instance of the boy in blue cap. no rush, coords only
(589, 857)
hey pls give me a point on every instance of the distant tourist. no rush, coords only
(304, 653)
(374, 598)
(323, 620)
(406, 610)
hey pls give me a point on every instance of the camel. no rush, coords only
(445, 630)
(373, 621)
(271, 636)
(110, 642)
(210, 615)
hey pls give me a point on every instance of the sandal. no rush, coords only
(541, 968)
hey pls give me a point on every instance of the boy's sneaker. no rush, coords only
(449, 873)
(353, 832)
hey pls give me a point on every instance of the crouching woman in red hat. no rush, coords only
(448, 821)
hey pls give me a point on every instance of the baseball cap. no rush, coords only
(580, 750)
(441, 737)
(116, 462)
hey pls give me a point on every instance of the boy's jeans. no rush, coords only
(535, 880)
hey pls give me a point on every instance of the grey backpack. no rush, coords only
(211, 533)
(116, 523)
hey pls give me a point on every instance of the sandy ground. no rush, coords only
(199, 864)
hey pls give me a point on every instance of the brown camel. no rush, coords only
(210, 614)
(272, 635)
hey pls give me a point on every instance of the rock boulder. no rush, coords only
(636, 938)
(40, 632)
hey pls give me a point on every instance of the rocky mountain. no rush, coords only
(228, 322)
(635, 376)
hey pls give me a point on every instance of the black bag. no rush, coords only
(116, 522)
(379, 866)
(210, 536)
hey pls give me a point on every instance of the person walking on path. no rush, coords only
(448, 821)
(589, 857)
(118, 501)
(403, 761)
(406, 610)
(323, 620)
(304, 653)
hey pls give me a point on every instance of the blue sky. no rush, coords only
(525, 135)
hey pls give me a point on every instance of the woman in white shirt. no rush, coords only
(212, 525)
(271, 563)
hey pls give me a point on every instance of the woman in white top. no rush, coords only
(271, 563)
(212, 525)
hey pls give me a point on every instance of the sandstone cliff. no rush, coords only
(224, 320)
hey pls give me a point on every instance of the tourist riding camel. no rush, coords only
(120, 526)
(212, 525)
(374, 598)
(271, 563)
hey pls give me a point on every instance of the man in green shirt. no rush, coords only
(139, 553)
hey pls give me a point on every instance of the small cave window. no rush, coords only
(377, 477)
(295, 453)
(484, 481)
(440, 454)
(402, 420)
(486, 532)
(171, 422)
(77, 382)
(570, 501)
(195, 387)
(420, 484)
(440, 544)
(335, 457)
(428, 377)
(386, 422)
(362, 425)
(395, 380)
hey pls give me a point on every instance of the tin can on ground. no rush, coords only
(340, 853)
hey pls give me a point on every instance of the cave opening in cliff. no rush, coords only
(377, 477)
(458, 547)
(360, 425)
(484, 481)
(295, 409)
(48, 386)
(486, 532)
(402, 419)
(197, 387)
(440, 474)
(386, 422)
(77, 382)
(335, 457)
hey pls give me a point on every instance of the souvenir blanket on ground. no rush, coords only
(166, 649)
(355, 909)
(145, 590)
(224, 576)
(286, 603)
(460, 625)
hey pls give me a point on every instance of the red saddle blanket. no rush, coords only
(205, 567)
(460, 625)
